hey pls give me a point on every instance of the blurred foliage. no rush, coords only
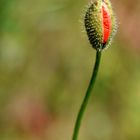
(45, 66)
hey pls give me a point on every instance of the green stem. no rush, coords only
(87, 96)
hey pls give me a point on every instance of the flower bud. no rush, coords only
(100, 23)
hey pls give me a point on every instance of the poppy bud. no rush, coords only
(100, 23)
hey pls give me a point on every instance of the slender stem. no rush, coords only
(87, 96)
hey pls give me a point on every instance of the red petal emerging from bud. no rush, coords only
(106, 23)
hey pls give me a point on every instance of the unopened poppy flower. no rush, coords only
(100, 23)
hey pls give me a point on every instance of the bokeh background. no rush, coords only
(45, 65)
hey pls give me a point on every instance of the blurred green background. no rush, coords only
(45, 65)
